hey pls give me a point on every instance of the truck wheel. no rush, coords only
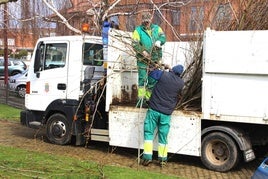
(219, 152)
(58, 129)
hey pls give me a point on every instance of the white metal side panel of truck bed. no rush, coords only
(126, 130)
(235, 76)
(121, 67)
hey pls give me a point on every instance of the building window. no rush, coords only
(157, 18)
(223, 16)
(201, 18)
(114, 20)
(196, 19)
(176, 15)
(193, 19)
(131, 23)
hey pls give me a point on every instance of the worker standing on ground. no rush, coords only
(161, 105)
(147, 41)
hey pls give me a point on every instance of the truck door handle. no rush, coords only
(61, 86)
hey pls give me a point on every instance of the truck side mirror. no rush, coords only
(38, 57)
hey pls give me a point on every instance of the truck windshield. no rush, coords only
(93, 54)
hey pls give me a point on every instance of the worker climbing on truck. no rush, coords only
(147, 41)
(161, 105)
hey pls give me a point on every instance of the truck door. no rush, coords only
(49, 74)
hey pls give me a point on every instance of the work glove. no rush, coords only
(157, 44)
(145, 54)
(153, 66)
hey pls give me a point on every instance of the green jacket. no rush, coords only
(145, 39)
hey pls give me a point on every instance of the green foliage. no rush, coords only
(20, 163)
(2, 52)
(10, 113)
(18, 55)
(22, 53)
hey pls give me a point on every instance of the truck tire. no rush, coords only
(219, 152)
(58, 129)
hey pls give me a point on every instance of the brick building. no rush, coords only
(19, 40)
(23, 25)
(181, 20)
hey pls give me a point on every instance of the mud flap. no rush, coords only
(77, 132)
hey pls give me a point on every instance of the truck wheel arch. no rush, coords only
(65, 107)
(220, 147)
(239, 136)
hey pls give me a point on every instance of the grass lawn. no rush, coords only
(10, 113)
(21, 163)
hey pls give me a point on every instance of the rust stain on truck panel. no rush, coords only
(128, 96)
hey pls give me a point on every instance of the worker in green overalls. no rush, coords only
(148, 39)
(161, 105)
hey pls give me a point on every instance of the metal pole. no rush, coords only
(5, 49)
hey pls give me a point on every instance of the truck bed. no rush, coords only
(126, 130)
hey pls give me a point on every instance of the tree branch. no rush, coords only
(64, 20)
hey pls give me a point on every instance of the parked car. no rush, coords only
(262, 170)
(17, 83)
(15, 66)
(26, 60)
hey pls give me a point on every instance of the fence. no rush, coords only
(9, 97)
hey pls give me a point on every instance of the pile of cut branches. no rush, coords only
(248, 15)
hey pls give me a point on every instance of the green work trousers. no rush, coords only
(143, 78)
(155, 119)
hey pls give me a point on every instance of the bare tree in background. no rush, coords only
(219, 15)
(247, 15)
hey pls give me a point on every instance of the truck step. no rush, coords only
(100, 135)
(35, 124)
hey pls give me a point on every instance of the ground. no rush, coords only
(14, 134)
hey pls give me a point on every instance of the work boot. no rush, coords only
(145, 162)
(163, 163)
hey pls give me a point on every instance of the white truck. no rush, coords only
(91, 95)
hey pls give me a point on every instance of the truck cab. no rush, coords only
(56, 81)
